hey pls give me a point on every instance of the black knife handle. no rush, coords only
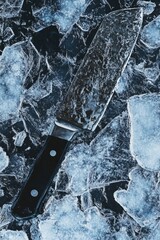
(40, 178)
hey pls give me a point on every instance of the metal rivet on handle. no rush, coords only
(53, 153)
(34, 193)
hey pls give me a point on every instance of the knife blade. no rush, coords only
(85, 102)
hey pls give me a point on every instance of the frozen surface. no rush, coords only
(148, 6)
(13, 235)
(4, 159)
(150, 34)
(66, 15)
(65, 219)
(141, 200)
(145, 124)
(12, 75)
(107, 158)
(10, 8)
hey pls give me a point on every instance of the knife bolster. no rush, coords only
(64, 130)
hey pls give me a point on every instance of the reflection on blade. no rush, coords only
(105, 60)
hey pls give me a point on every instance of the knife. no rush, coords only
(85, 102)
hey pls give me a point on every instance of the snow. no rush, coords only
(12, 75)
(145, 124)
(13, 235)
(65, 220)
(150, 34)
(10, 8)
(148, 7)
(4, 159)
(141, 199)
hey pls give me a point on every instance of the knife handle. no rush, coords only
(46, 166)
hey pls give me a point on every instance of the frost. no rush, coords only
(148, 7)
(150, 34)
(4, 160)
(10, 8)
(141, 200)
(65, 220)
(13, 235)
(12, 75)
(107, 159)
(145, 136)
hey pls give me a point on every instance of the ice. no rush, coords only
(12, 75)
(19, 138)
(150, 34)
(65, 17)
(154, 233)
(8, 34)
(13, 235)
(65, 220)
(10, 8)
(144, 115)
(5, 216)
(4, 159)
(105, 160)
(141, 200)
(148, 7)
(123, 82)
(151, 73)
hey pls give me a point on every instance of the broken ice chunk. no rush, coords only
(67, 15)
(19, 138)
(107, 159)
(151, 73)
(8, 34)
(4, 160)
(13, 235)
(5, 218)
(13, 70)
(10, 8)
(154, 233)
(150, 35)
(148, 7)
(144, 112)
(66, 221)
(141, 200)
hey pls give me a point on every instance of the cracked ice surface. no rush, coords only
(65, 220)
(150, 34)
(141, 200)
(4, 160)
(12, 75)
(10, 8)
(13, 235)
(144, 112)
